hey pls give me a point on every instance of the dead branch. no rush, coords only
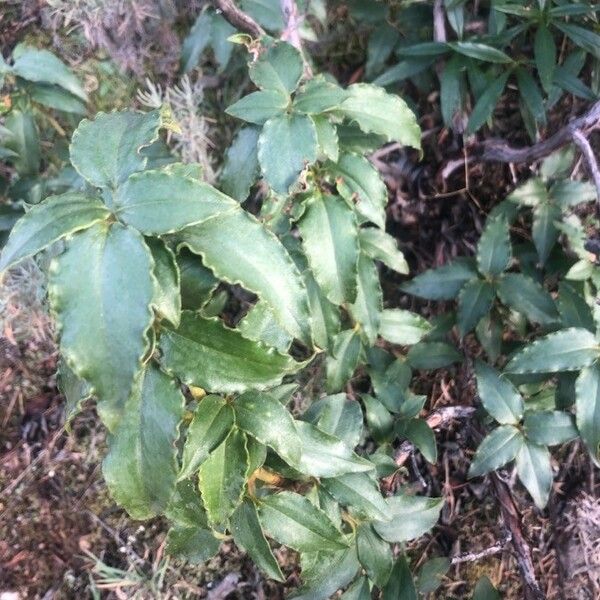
(499, 150)
(239, 19)
(588, 154)
(291, 30)
(510, 514)
(439, 21)
(474, 556)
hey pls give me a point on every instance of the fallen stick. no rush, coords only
(239, 19)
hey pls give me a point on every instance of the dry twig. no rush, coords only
(239, 19)
(588, 154)
(499, 150)
(510, 514)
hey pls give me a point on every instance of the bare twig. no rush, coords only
(510, 514)
(586, 150)
(439, 22)
(291, 31)
(473, 556)
(499, 150)
(239, 19)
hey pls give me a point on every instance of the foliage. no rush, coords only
(33, 82)
(148, 257)
(539, 48)
(116, 292)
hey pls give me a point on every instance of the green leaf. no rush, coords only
(24, 141)
(379, 419)
(489, 333)
(402, 327)
(433, 355)
(374, 555)
(400, 585)
(193, 544)
(75, 390)
(535, 472)
(259, 324)
(587, 409)
(327, 138)
(248, 535)
(330, 241)
(442, 283)
(360, 493)
(324, 455)
(259, 107)
(527, 297)
(498, 395)
(550, 427)
(238, 249)
(279, 67)
(474, 302)
(317, 96)
(450, 89)
(344, 360)
(240, 168)
(484, 590)
(544, 51)
(359, 183)
(140, 467)
(205, 353)
(211, 423)
(566, 350)
(532, 193)
(167, 297)
(106, 151)
(266, 419)
(293, 520)
(376, 111)
(431, 574)
(543, 230)
(339, 417)
(498, 448)
(411, 517)
(197, 282)
(185, 506)
(196, 41)
(54, 218)
(580, 36)
(103, 330)
(55, 97)
(567, 193)
(481, 52)
(574, 310)
(404, 69)
(325, 316)
(41, 66)
(379, 245)
(493, 251)
(156, 202)
(531, 95)
(366, 309)
(327, 572)
(359, 590)
(222, 477)
(421, 435)
(286, 145)
(486, 103)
